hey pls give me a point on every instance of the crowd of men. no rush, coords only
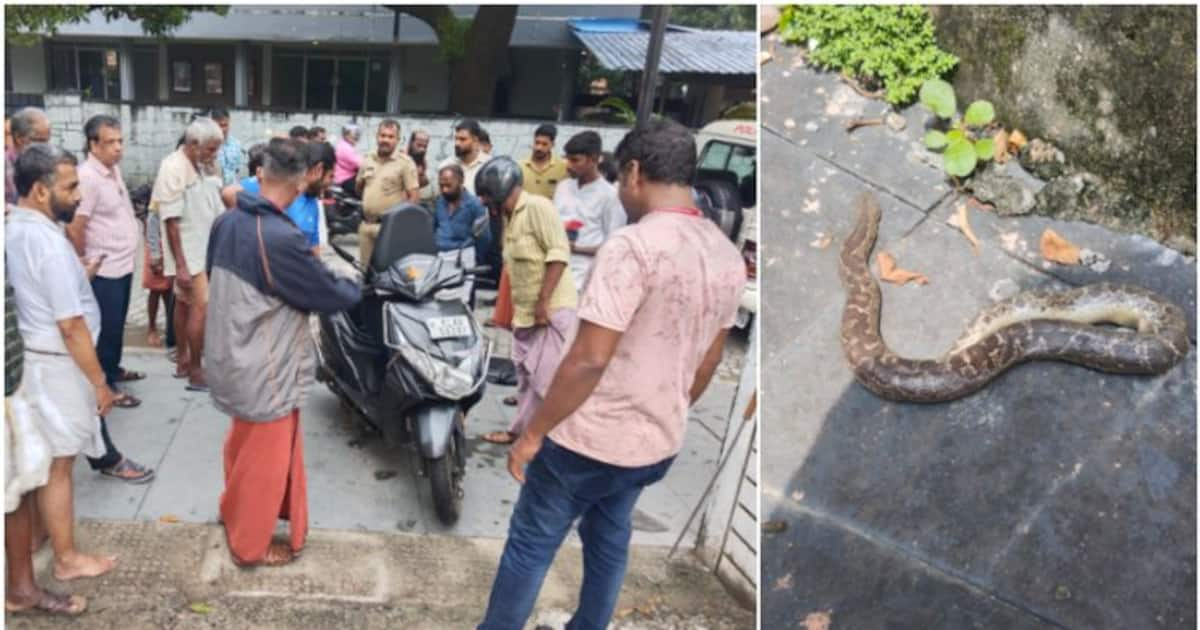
(616, 328)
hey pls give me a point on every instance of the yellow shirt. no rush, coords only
(543, 181)
(533, 238)
(385, 182)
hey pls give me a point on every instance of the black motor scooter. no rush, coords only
(410, 364)
(345, 214)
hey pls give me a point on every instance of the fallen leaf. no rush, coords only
(817, 621)
(959, 220)
(785, 583)
(1016, 141)
(888, 272)
(168, 518)
(774, 527)
(1000, 147)
(623, 613)
(822, 242)
(764, 57)
(200, 608)
(1058, 249)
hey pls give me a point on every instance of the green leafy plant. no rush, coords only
(889, 47)
(623, 112)
(452, 37)
(964, 140)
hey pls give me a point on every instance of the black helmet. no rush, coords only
(497, 179)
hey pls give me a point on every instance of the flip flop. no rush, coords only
(196, 388)
(511, 401)
(278, 554)
(503, 438)
(125, 400)
(130, 375)
(52, 603)
(129, 470)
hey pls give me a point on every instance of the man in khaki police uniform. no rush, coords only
(388, 177)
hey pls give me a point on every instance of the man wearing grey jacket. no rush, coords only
(263, 283)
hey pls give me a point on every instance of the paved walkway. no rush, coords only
(1058, 497)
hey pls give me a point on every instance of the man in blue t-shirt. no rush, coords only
(305, 211)
(454, 216)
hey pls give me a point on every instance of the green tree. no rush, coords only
(26, 24)
(475, 49)
(739, 17)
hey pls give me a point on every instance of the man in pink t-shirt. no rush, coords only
(662, 295)
(348, 159)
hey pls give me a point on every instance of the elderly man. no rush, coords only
(27, 126)
(536, 252)
(265, 281)
(468, 151)
(589, 199)
(63, 388)
(542, 171)
(348, 158)
(230, 158)
(654, 318)
(188, 200)
(106, 231)
(454, 217)
(387, 178)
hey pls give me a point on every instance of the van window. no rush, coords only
(733, 163)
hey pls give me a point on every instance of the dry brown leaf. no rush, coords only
(1016, 141)
(1000, 147)
(1058, 249)
(888, 272)
(817, 621)
(959, 220)
(764, 57)
(168, 518)
(785, 583)
(822, 242)
(623, 613)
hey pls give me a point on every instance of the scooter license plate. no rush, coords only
(447, 327)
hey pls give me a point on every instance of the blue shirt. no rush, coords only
(304, 212)
(453, 231)
(230, 158)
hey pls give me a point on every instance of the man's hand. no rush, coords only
(541, 314)
(91, 266)
(104, 399)
(521, 453)
(183, 278)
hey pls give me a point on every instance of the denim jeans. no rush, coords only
(112, 296)
(560, 486)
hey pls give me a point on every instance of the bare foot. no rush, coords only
(82, 565)
(154, 339)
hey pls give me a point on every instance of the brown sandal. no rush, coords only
(278, 554)
(500, 437)
(53, 604)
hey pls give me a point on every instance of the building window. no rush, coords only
(91, 69)
(329, 81)
(181, 76)
(213, 79)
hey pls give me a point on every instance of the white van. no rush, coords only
(727, 175)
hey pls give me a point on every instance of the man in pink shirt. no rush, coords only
(105, 229)
(662, 295)
(348, 159)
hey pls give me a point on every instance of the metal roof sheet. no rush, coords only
(694, 52)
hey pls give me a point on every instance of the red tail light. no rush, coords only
(750, 255)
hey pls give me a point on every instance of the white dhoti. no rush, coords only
(56, 396)
(26, 457)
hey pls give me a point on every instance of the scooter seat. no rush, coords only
(405, 229)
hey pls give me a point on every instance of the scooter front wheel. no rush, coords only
(446, 487)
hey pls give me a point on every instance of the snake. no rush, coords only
(1145, 332)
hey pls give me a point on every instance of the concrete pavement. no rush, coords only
(1058, 497)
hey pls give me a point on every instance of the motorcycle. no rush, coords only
(343, 212)
(410, 364)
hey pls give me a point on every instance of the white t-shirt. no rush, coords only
(599, 208)
(469, 170)
(48, 281)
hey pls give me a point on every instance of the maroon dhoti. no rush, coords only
(264, 482)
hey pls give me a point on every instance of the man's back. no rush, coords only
(670, 284)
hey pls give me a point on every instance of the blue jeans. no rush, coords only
(560, 486)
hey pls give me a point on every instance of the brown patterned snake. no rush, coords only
(1033, 325)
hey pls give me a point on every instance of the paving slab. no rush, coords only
(1056, 497)
(180, 576)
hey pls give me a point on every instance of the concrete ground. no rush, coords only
(364, 496)
(1058, 497)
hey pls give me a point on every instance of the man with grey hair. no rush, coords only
(265, 282)
(187, 197)
(27, 126)
(63, 387)
(349, 160)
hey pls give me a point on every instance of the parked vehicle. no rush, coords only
(343, 213)
(410, 364)
(726, 185)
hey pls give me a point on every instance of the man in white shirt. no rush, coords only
(588, 199)
(468, 152)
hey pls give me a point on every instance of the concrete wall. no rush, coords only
(28, 68)
(152, 131)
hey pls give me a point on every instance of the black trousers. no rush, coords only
(112, 295)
